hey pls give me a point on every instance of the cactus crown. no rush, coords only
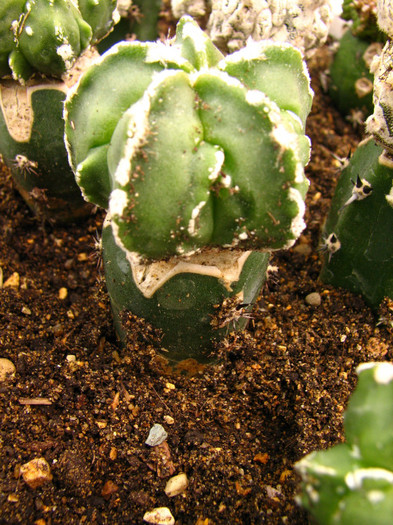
(189, 149)
(353, 482)
(47, 36)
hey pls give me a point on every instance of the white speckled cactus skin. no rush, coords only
(385, 16)
(231, 22)
(352, 482)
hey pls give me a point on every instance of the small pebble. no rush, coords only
(176, 485)
(13, 281)
(313, 299)
(169, 420)
(159, 516)
(157, 435)
(63, 292)
(7, 368)
(36, 472)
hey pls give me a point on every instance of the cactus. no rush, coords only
(361, 218)
(352, 482)
(41, 39)
(361, 214)
(43, 36)
(192, 154)
(305, 24)
(351, 82)
(351, 72)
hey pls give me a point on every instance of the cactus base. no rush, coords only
(193, 305)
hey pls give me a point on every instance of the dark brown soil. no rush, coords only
(236, 429)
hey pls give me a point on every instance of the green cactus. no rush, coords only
(361, 219)
(190, 151)
(32, 145)
(47, 36)
(185, 144)
(353, 481)
(39, 40)
(351, 81)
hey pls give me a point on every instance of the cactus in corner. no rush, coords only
(352, 482)
(199, 160)
(41, 41)
(360, 220)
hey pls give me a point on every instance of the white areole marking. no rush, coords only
(354, 480)
(118, 202)
(192, 224)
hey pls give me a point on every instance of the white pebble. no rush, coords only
(7, 368)
(313, 299)
(159, 516)
(157, 435)
(176, 485)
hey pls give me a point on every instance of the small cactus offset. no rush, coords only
(199, 160)
(353, 482)
(47, 36)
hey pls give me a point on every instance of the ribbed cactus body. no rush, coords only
(353, 482)
(201, 150)
(48, 36)
(364, 261)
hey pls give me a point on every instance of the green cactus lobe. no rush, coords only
(272, 70)
(9, 12)
(353, 482)
(99, 15)
(364, 262)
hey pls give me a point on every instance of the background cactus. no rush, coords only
(39, 40)
(351, 81)
(361, 222)
(361, 215)
(184, 156)
(304, 24)
(353, 482)
(47, 37)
